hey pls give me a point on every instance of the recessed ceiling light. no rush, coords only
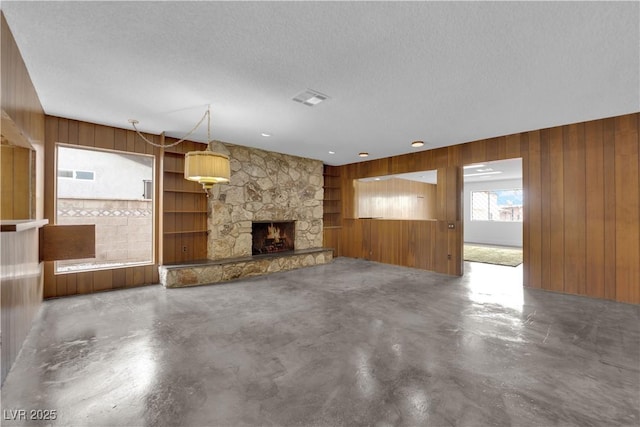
(416, 144)
(332, 152)
(376, 179)
(472, 166)
(363, 154)
(266, 135)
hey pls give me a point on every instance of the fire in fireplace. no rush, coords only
(269, 237)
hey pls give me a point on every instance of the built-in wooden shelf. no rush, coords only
(332, 209)
(185, 209)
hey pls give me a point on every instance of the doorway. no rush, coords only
(493, 213)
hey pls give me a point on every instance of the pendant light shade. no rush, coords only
(207, 168)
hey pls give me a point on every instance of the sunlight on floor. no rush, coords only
(494, 284)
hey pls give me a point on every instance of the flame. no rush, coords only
(273, 233)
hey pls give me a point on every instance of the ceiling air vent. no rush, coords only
(310, 97)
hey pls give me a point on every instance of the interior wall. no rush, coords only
(491, 232)
(395, 199)
(21, 290)
(21, 106)
(580, 229)
(15, 176)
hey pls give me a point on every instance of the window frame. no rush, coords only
(489, 213)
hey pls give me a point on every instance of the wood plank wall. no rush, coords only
(73, 132)
(19, 98)
(21, 299)
(15, 177)
(395, 199)
(21, 293)
(582, 211)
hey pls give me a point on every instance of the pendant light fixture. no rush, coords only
(205, 167)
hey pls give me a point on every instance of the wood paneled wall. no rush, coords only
(21, 297)
(395, 199)
(15, 178)
(582, 203)
(20, 104)
(19, 98)
(73, 132)
(21, 291)
(407, 243)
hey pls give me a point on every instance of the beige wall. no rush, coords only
(124, 228)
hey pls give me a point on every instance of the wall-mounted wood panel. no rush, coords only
(582, 189)
(395, 199)
(60, 242)
(67, 131)
(21, 290)
(399, 242)
(627, 209)
(19, 98)
(15, 179)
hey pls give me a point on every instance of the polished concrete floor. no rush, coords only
(345, 344)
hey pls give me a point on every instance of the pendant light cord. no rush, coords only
(207, 114)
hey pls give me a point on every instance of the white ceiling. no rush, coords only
(442, 72)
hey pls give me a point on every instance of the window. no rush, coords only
(147, 189)
(110, 197)
(82, 175)
(497, 205)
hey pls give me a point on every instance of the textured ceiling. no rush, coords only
(395, 72)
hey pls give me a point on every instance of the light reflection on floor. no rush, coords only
(495, 284)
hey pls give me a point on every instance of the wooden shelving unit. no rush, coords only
(184, 209)
(332, 208)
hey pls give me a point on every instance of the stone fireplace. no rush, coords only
(268, 218)
(265, 187)
(272, 236)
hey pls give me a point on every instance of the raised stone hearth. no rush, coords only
(216, 271)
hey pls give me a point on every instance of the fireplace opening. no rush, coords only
(271, 236)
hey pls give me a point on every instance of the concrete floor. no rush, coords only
(349, 343)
